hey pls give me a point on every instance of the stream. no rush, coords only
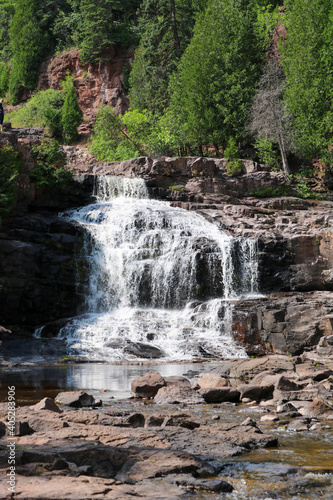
(301, 467)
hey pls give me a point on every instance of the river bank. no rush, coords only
(259, 436)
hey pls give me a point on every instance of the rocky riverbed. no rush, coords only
(178, 437)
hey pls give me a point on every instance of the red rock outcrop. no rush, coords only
(95, 83)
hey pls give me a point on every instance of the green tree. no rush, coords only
(166, 27)
(215, 81)
(307, 59)
(6, 14)
(71, 116)
(29, 44)
(96, 18)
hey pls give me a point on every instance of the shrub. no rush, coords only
(71, 116)
(42, 110)
(269, 192)
(50, 163)
(268, 153)
(235, 166)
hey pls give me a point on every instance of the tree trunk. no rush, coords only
(285, 164)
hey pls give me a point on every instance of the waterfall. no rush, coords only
(161, 280)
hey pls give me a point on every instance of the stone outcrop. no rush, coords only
(106, 454)
(95, 83)
(284, 323)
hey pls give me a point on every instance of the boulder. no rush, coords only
(174, 394)
(320, 409)
(256, 392)
(299, 425)
(46, 404)
(148, 385)
(75, 399)
(220, 395)
(211, 380)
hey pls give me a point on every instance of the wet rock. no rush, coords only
(75, 399)
(213, 485)
(319, 408)
(175, 380)
(135, 420)
(154, 420)
(220, 394)
(143, 350)
(256, 392)
(151, 464)
(211, 380)
(23, 429)
(298, 425)
(182, 420)
(287, 407)
(148, 385)
(269, 418)
(46, 404)
(177, 395)
(249, 421)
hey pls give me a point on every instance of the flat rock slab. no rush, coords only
(248, 368)
(220, 394)
(174, 394)
(75, 399)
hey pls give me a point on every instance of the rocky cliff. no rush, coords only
(295, 247)
(95, 83)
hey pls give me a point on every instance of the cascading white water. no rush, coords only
(162, 280)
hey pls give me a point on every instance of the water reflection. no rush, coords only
(36, 382)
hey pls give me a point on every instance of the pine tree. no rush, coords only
(166, 28)
(71, 116)
(307, 59)
(211, 92)
(29, 44)
(96, 22)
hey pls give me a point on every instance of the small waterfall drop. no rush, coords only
(161, 280)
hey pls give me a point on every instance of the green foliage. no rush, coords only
(6, 15)
(50, 163)
(126, 74)
(268, 192)
(96, 18)
(308, 61)
(4, 79)
(166, 28)
(235, 166)
(71, 116)
(268, 153)
(120, 137)
(11, 165)
(268, 18)
(29, 44)
(216, 77)
(42, 110)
